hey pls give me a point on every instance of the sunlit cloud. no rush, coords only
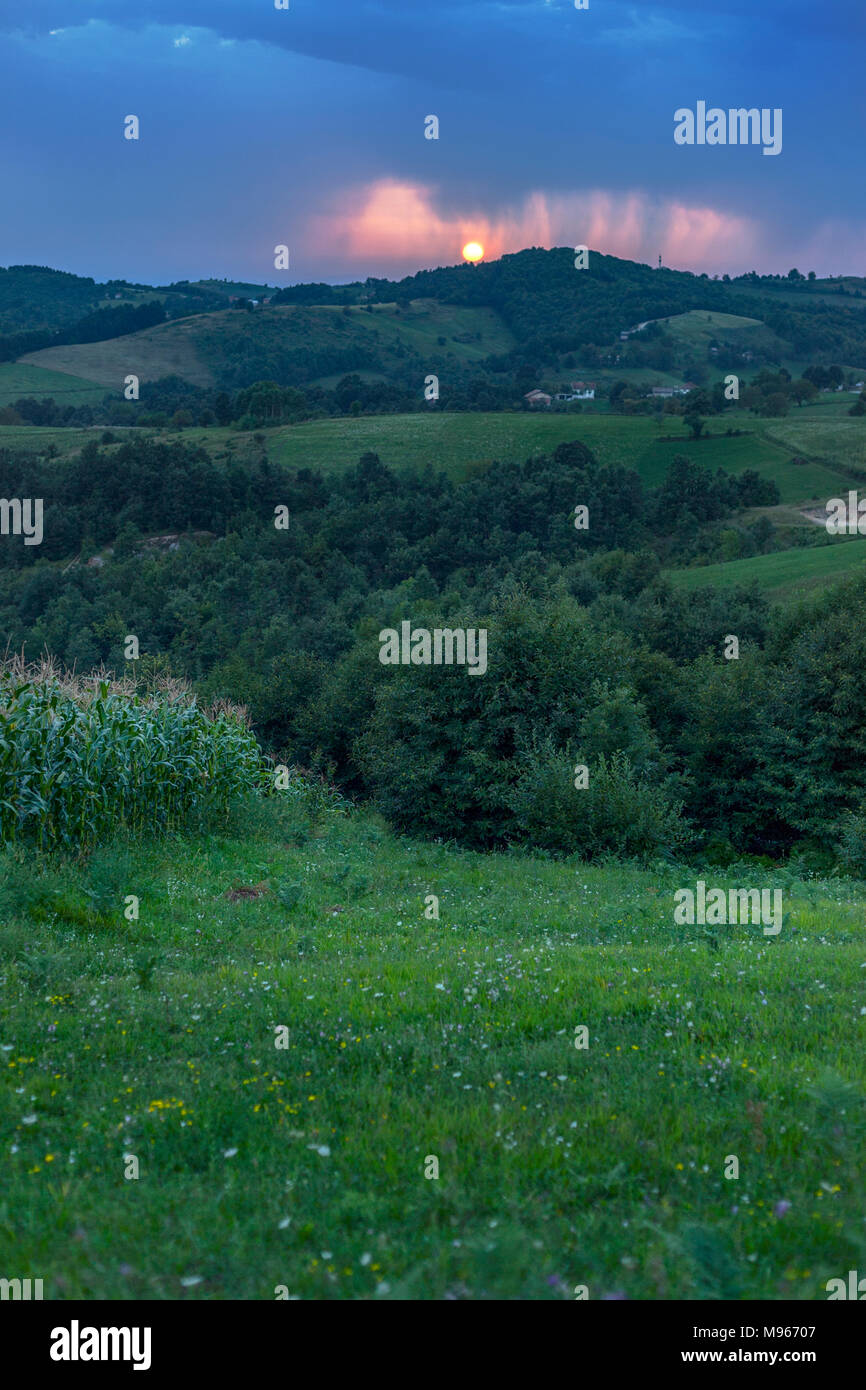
(398, 223)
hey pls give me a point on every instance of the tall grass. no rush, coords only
(81, 758)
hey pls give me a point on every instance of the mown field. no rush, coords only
(464, 443)
(410, 1039)
(169, 349)
(783, 576)
(833, 437)
(19, 379)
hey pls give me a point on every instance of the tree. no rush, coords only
(803, 390)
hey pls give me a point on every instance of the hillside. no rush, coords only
(167, 350)
(529, 315)
(411, 1038)
(295, 345)
(782, 577)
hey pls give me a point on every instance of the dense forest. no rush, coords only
(594, 658)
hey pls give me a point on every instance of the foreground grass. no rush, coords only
(411, 1038)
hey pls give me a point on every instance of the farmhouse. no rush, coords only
(537, 398)
(665, 392)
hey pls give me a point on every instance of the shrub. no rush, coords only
(617, 813)
(851, 847)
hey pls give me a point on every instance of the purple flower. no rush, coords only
(781, 1207)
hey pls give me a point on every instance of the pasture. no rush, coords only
(296, 1159)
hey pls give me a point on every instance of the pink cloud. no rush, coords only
(391, 225)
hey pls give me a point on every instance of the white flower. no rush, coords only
(191, 1280)
(366, 1257)
(439, 986)
(229, 1153)
(28, 1119)
(286, 1221)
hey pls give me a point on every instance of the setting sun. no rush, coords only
(473, 251)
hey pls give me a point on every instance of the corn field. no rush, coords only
(83, 758)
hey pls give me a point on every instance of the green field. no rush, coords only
(462, 443)
(169, 349)
(37, 438)
(781, 576)
(834, 437)
(698, 327)
(21, 379)
(409, 1040)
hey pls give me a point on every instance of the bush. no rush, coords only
(617, 813)
(851, 847)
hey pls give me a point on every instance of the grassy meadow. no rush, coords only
(263, 1167)
(19, 379)
(785, 575)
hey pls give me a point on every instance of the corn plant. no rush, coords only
(81, 759)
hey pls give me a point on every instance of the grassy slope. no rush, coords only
(21, 379)
(462, 443)
(782, 576)
(191, 347)
(457, 442)
(410, 1038)
(168, 349)
(835, 437)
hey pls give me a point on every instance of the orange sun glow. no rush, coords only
(473, 251)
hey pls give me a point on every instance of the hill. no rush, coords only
(295, 345)
(169, 349)
(526, 317)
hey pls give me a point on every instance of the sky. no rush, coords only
(305, 127)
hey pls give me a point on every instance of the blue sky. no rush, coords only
(306, 127)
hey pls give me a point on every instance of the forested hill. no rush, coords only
(546, 303)
(545, 300)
